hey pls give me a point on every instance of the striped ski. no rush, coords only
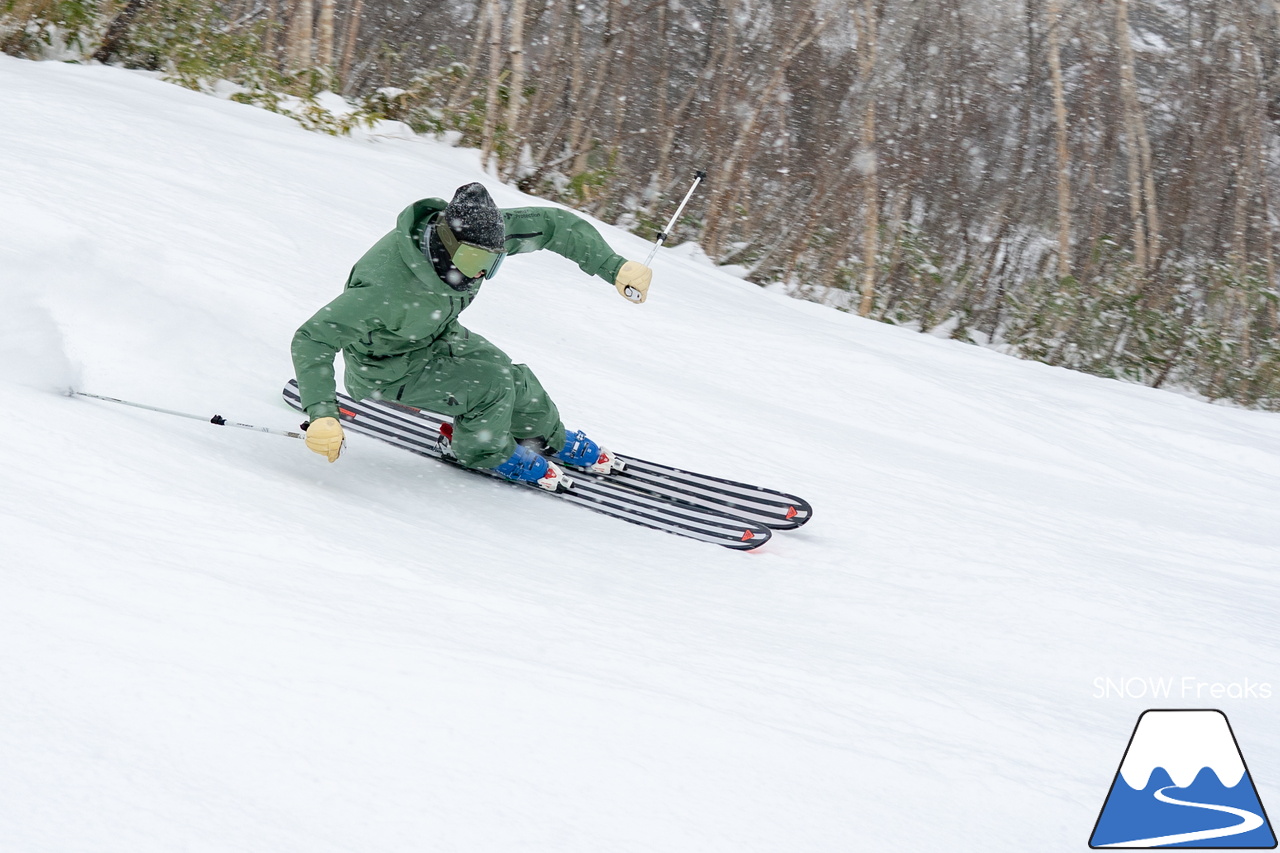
(773, 509)
(419, 433)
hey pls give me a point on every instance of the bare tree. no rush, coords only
(515, 97)
(494, 9)
(324, 34)
(298, 44)
(1060, 136)
(746, 140)
(1146, 234)
(868, 165)
(349, 39)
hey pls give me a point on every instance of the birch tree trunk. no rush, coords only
(1064, 157)
(324, 34)
(1129, 122)
(515, 99)
(489, 140)
(720, 122)
(621, 101)
(1244, 183)
(297, 48)
(269, 35)
(576, 82)
(349, 39)
(1258, 117)
(663, 84)
(867, 35)
(1141, 181)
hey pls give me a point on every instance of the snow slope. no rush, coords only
(211, 640)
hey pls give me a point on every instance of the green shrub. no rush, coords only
(34, 28)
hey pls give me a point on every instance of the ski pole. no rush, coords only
(217, 420)
(662, 235)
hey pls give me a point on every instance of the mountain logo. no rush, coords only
(1183, 783)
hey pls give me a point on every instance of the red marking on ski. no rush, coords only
(446, 430)
(346, 412)
(747, 536)
(791, 512)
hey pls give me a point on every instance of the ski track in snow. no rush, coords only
(212, 640)
(1248, 822)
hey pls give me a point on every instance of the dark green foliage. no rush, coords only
(36, 26)
(422, 104)
(195, 43)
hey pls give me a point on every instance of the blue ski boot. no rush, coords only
(528, 466)
(581, 452)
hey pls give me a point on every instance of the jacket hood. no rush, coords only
(407, 223)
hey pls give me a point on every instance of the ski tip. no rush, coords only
(798, 514)
(753, 539)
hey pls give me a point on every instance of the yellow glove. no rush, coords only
(324, 436)
(633, 281)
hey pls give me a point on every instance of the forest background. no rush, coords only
(1088, 183)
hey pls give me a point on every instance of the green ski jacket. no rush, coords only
(395, 311)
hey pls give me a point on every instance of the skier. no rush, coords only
(396, 323)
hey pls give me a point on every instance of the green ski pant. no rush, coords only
(493, 402)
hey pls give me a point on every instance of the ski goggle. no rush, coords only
(470, 260)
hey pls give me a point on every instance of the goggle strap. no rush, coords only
(445, 233)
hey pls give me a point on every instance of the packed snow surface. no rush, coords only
(213, 640)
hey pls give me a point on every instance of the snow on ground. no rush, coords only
(211, 640)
